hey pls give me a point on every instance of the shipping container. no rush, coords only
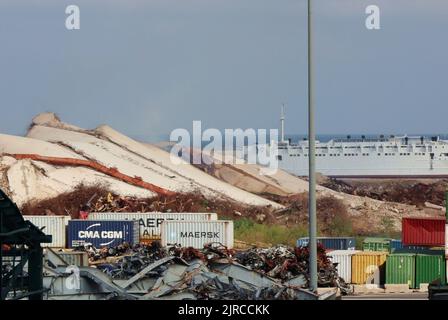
(197, 233)
(376, 244)
(368, 267)
(331, 243)
(423, 231)
(430, 267)
(102, 233)
(75, 258)
(395, 244)
(344, 260)
(416, 248)
(54, 226)
(421, 250)
(400, 269)
(150, 221)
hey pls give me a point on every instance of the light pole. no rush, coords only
(312, 245)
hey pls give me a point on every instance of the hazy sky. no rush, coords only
(147, 67)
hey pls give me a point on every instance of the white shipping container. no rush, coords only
(150, 222)
(344, 260)
(53, 225)
(197, 233)
(73, 258)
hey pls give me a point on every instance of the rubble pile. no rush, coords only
(214, 289)
(100, 199)
(215, 272)
(286, 263)
(180, 202)
(412, 192)
(133, 261)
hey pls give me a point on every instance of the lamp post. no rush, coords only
(312, 161)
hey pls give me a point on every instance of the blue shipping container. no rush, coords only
(395, 245)
(102, 233)
(332, 243)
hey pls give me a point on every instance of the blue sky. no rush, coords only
(147, 67)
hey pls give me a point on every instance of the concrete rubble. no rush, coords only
(146, 272)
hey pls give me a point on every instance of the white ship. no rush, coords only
(393, 157)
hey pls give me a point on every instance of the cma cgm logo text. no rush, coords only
(95, 234)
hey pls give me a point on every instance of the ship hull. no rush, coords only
(379, 167)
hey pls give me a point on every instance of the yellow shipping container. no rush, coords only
(368, 267)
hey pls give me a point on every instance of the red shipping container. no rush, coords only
(423, 232)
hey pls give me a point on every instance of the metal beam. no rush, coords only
(145, 270)
(35, 272)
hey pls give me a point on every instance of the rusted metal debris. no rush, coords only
(287, 263)
(215, 272)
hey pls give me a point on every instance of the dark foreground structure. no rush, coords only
(20, 255)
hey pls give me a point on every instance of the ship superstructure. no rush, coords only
(383, 157)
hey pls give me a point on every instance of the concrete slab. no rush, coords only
(397, 288)
(424, 287)
(363, 289)
(321, 291)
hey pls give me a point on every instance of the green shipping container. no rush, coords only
(428, 268)
(376, 244)
(400, 269)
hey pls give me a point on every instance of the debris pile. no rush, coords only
(286, 263)
(215, 272)
(412, 192)
(135, 259)
(101, 199)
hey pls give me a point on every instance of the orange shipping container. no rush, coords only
(368, 267)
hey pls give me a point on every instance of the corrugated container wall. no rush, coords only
(415, 248)
(421, 250)
(423, 231)
(197, 233)
(150, 221)
(54, 226)
(400, 269)
(429, 268)
(102, 233)
(395, 245)
(344, 260)
(74, 258)
(368, 267)
(376, 244)
(332, 243)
